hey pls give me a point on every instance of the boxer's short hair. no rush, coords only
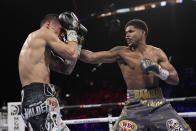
(137, 23)
(49, 17)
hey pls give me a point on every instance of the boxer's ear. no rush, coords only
(47, 24)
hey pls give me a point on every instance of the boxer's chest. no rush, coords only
(133, 58)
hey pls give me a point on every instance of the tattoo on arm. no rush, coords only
(69, 66)
(60, 65)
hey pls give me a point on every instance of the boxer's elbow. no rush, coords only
(64, 72)
(68, 72)
(173, 80)
(176, 78)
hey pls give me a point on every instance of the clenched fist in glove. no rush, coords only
(149, 66)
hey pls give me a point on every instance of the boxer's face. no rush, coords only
(132, 35)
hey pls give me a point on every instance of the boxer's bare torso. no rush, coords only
(34, 59)
(129, 63)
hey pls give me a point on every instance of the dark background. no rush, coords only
(171, 28)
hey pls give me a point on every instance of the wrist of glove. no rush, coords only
(163, 74)
(72, 36)
(148, 66)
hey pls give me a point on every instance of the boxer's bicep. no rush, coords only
(165, 64)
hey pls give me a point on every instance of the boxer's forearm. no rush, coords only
(97, 57)
(69, 66)
(86, 56)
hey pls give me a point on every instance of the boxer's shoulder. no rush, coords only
(151, 47)
(118, 48)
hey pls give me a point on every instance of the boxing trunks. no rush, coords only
(147, 110)
(40, 108)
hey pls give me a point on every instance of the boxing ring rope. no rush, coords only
(192, 98)
(92, 105)
(111, 119)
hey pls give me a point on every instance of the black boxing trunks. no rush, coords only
(147, 110)
(40, 108)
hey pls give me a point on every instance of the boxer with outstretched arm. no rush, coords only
(142, 66)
